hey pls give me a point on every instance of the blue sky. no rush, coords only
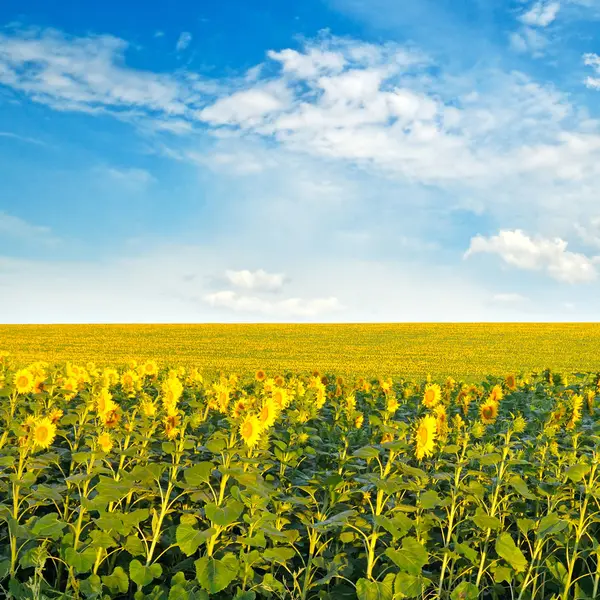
(323, 160)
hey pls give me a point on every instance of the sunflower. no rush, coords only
(44, 431)
(104, 401)
(432, 395)
(425, 437)
(577, 403)
(105, 442)
(148, 408)
(280, 398)
(260, 375)
(250, 430)
(128, 380)
(239, 408)
(441, 421)
(321, 397)
(24, 381)
(222, 398)
(150, 368)
(56, 415)
(268, 414)
(391, 405)
(350, 404)
(590, 401)
(488, 411)
(359, 420)
(172, 426)
(511, 382)
(279, 381)
(496, 394)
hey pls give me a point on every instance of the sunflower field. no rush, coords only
(148, 480)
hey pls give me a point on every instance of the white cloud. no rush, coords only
(256, 280)
(247, 106)
(17, 228)
(590, 233)
(22, 138)
(132, 177)
(184, 40)
(593, 60)
(509, 298)
(541, 13)
(537, 254)
(87, 74)
(290, 307)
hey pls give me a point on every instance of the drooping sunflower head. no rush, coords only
(43, 433)
(24, 381)
(432, 395)
(250, 430)
(425, 437)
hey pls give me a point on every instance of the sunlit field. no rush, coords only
(139, 481)
(468, 351)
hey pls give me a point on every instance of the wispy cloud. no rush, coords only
(22, 138)
(593, 60)
(18, 228)
(537, 254)
(183, 41)
(256, 280)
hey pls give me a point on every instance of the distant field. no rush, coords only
(469, 351)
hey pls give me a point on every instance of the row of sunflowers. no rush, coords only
(155, 481)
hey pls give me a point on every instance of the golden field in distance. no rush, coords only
(466, 351)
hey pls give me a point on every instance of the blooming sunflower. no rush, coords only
(104, 401)
(279, 381)
(250, 430)
(432, 395)
(56, 415)
(488, 411)
(44, 432)
(24, 381)
(239, 408)
(391, 405)
(105, 442)
(359, 420)
(260, 375)
(496, 394)
(511, 382)
(150, 368)
(268, 414)
(425, 437)
(280, 398)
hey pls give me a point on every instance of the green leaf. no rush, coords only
(429, 499)
(375, 590)
(520, 486)
(407, 586)
(143, 575)
(117, 581)
(92, 586)
(247, 595)
(279, 554)
(366, 452)
(190, 539)
(485, 521)
(577, 472)
(134, 546)
(198, 474)
(550, 524)
(82, 562)
(215, 575)
(225, 515)
(506, 548)
(502, 574)
(465, 591)
(411, 558)
(48, 526)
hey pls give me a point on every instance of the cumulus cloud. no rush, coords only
(537, 254)
(292, 307)
(541, 13)
(184, 40)
(256, 280)
(593, 60)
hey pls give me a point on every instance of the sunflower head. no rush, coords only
(105, 442)
(432, 395)
(511, 382)
(250, 430)
(488, 411)
(24, 381)
(43, 433)
(260, 375)
(425, 437)
(268, 414)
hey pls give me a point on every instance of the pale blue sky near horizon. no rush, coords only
(314, 161)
